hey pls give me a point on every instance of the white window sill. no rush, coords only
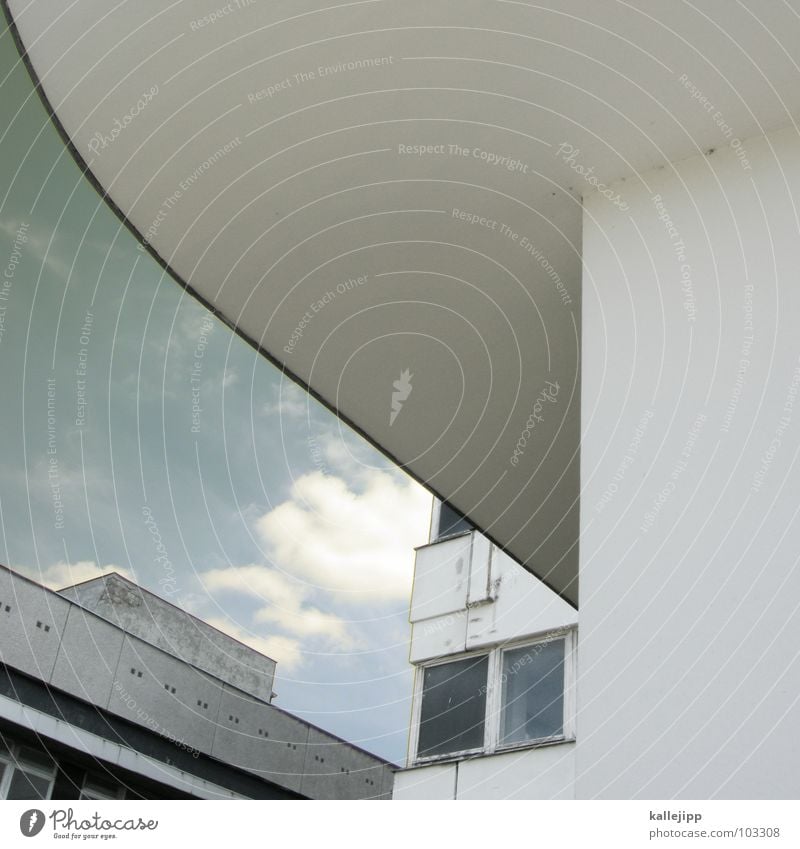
(483, 753)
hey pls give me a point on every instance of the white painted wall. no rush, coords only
(543, 773)
(431, 782)
(689, 667)
(468, 594)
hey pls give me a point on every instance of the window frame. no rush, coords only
(436, 516)
(494, 696)
(419, 682)
(92, 791)
(14, 762)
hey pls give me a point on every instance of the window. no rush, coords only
(450, 522)
(96, 787)
(532, 702)
(508, 697)
(25, 773)
(453, 707)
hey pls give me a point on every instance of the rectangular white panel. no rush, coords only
(257, 737)
(522, 606)
(480, 571)
(441, 578)
(430, 782)
(31, 624)
(165, 695)
(87, 658)
(439, 636)
(547, 772)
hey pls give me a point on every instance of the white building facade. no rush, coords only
(686, 665)
(494, 652)
(577, 227)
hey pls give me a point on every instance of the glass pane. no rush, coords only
(453, 707)
(451, 522)
(96, 788)
(533, 692)
(34, 757)
(28, 786)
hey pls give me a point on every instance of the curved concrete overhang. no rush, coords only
(384, 196)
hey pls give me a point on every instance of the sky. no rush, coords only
(141, 435)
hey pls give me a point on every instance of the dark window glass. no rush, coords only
(453, 707)
(533, 692)
(26, 785)
(33, 757)
(99, 788)
(451, 522)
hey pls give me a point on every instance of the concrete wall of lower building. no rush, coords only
(53, 639)
(273, 744)
(88, 657)
(547, 772)
(333, 770)
(690, 591)
(32, 621)
(162, 624)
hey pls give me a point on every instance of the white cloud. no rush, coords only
(345, 452)
(340, 540)
(283, 600)
(286, 651)
(289, 401)
(61, 574)
(257, 581)
(354, 542)
(308, 622)
(39, 246)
